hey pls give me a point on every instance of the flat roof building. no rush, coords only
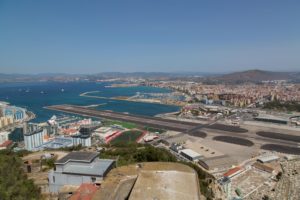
(267, 158)
(233, 172)
(77, 168)
(263, 167)
(272, 119)
(190, 154)
(217, 163)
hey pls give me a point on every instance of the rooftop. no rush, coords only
(219, 162)
(156, 180)
(86, 157)
(57, 142)
(273, 117)
(263, 167)
(267, 158)
(84, 192)
(6, 143)
(170, 186)
(190, 152)
(232, 171)
(96, 168)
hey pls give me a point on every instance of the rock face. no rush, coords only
(216, 191)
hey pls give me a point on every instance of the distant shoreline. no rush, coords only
(125, 98)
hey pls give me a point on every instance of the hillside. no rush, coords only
(258, 76)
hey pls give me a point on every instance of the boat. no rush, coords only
(62, 90)
(27, 90)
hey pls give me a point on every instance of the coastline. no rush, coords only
(30, 115)
(125, 98)
(74, 93)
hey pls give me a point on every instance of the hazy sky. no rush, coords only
(149, 35)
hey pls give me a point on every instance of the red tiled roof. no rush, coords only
(232, 171)
(86, 191)
(6, 143)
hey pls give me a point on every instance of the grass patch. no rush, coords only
(154, 130)
(127, 125)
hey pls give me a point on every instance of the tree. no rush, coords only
(13, 181)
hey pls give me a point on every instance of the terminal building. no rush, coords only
(77, 168)
(289, 119)
(267, 158)
(217, 163)
(190, 154)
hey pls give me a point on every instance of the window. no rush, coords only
(93, 179)
(53, 179)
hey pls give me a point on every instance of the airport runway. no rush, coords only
(181, 126)
(141, 120)
(168, 124)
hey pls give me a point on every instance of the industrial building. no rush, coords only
(263, 167)
(77, 168)
(267, 158)
(217, 163)
(234, 172)
(190, 154)
(272, 119)
(176, 147)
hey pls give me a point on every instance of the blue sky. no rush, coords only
(149, 35)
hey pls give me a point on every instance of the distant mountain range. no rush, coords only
(258, 76)
(97, 76)
(236, 77)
